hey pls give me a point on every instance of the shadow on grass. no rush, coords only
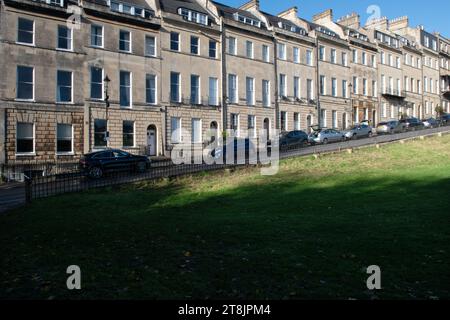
(288, 239)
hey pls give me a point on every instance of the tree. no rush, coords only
(439, 111)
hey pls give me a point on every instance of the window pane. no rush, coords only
(64, 86)
(25, 31)
(96, 83)
(64, 38)
(128, 133)
(174, 41)
(24, 82)
(25, 130)
(97, 36)
(150, 86)
(174, 86)
(196, 130)
(194, 45)
(212, 49)
(213, 91)
(99, 132)
(25, 137)
(175, 130)
(195, 89)
(125, 89)
(124, 42)
(64, 138)
(150, 46)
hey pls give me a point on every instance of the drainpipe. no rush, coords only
(319, 120)
(276, 91)
(223, 67)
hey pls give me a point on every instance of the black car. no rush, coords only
(445, 119)
(296, 138)
(412, 124)
(96, 164)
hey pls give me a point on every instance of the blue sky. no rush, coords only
(433, 14)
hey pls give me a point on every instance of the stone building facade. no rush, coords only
(203, 67)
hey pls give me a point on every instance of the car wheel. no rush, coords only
(325, 141)
(391, 131)
(370, 134)
(95, 172)
(355, 137)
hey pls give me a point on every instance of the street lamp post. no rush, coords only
(350, 87)
(107, 104)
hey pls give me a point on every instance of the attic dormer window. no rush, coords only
(130, 9)
(326, 31)
(292, 28)
(193, 16)
(54, 2)
(247, 20)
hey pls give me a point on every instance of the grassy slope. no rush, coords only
(308, 232)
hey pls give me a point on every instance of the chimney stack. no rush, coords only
(399, 23)
(291, 13)
(326, 15)
(252, 4)
(351, 20)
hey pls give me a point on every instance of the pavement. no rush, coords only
(12, 195)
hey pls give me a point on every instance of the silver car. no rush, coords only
(430, 123)
(358, 131)
(390, 127)
(325, 136)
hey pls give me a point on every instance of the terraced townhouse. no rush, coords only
(444, 53)
(141, 69)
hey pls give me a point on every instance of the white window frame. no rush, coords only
(250, 90)
(72, 138)
(70, 49)
(197, 121)
(296, 54)
(130, 49)
(232, 40)
(333, 56)
(155, 46)
(131, 90)
(71, 87)
(33, 33)
(102, 36)
(216, 90)
(249, 46)
(156, 89)
(34, 140)
(266, 95)
(265, 53)
(179, 138)
(281, 49)
(178, 41)
(233, 99)
(34, 84)
(90, 84)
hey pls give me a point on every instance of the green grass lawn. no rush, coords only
(309, 232)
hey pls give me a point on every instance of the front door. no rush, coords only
(151, 141)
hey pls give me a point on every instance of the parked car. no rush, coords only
(445, 119)
(358, 131)
(412, 124)
(325, 136)
(430, 123)
(239, 146)
(296, 138)
(96, 164)
(390, 127)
